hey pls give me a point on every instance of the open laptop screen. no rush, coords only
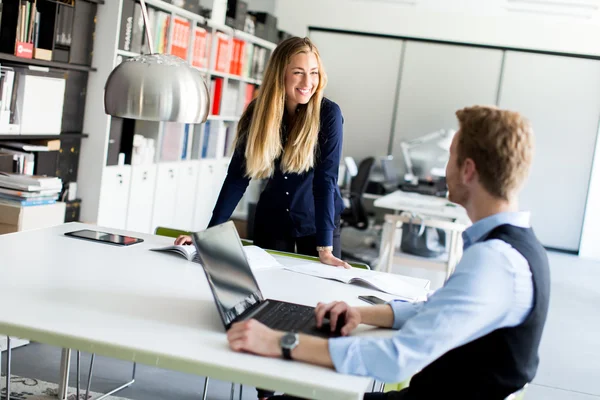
(229, 275)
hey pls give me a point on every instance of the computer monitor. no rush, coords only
(390, 172)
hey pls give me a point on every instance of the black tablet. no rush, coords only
(104, 237)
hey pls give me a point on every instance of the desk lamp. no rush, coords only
(442, 138)
(156, 87)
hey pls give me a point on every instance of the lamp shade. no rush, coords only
(157, 87)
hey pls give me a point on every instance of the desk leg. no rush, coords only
(387, 248)
(8, 359)
(205, 388)
(63, 380)
(78, 373)
(89, 382)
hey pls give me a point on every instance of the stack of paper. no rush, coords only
(28, 190)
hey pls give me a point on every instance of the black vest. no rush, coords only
(503, 361)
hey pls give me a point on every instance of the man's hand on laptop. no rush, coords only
(335, 309)
(253, 337)
(327, 257)
(183, 239)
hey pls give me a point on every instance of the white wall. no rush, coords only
(574, 29)
(590, 236)
(563, 27)
(262, 5)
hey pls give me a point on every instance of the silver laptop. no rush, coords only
(236, 290)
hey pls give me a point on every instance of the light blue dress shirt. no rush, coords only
(491, 288)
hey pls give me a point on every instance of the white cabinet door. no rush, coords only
(165, 194)
(220, 175)
(114, 196)
(205, 194)
(186, 195)
(560, 96)
(141, 195)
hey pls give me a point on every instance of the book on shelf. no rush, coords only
(126, 28)
(152, 24)
(247, 60)
(186, 141)
(235, 67)
(137, 30)
(171, 141)
(24, 146)
(34, 181)
(161, 31)
(230, 99)
(222, 62)
(7, 105)
(23, 162)
(210, 142)
(25, 191)
(32, 192)
(201, 51)
(230, 132)
(181, 37)
(249, 93)
(64, 26)
(216, 92)
(27, 202)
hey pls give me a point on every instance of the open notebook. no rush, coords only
(257, 257)
(405, 288)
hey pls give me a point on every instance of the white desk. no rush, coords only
(431, 206)
(152, 308)
(432, 211)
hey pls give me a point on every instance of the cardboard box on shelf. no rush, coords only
(14, 218)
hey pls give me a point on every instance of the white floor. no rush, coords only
(570, 350)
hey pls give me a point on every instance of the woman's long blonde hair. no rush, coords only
(261, 121)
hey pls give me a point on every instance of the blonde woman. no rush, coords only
(292, 136)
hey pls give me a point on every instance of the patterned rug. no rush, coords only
(35, 389)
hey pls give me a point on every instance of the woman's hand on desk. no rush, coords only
(183, 239)
(327, 257)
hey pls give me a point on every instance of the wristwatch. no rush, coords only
(324, 248)
(288, 342)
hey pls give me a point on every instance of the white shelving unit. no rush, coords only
(180, 187)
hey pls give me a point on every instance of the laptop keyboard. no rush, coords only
(286, 316)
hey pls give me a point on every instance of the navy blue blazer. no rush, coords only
(293, 205)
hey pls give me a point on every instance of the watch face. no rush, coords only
(289, 340)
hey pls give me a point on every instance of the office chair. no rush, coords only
(356, 215)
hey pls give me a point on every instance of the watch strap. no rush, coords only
(287, 353)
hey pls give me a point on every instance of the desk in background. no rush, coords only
(153, 308)
(435, 212)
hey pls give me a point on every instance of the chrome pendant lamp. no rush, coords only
(156, 87)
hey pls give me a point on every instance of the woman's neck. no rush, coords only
(290, 109)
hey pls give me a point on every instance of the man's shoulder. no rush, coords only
(493, 252)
